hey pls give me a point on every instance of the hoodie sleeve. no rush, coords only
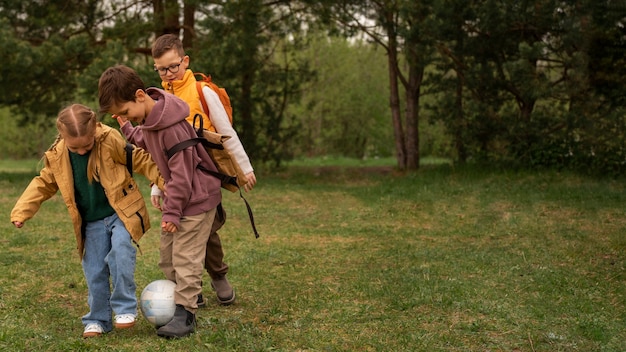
(143, 163)
(133, 134)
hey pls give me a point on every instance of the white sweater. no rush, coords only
(219, 119)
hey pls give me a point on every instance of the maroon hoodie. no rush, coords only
(189, 190)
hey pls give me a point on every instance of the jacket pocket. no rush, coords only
(131, 203)
(133, 208)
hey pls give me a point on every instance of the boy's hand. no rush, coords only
(121, 120)
(251, 182)
(168, 227)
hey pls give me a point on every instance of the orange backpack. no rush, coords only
(221, 92)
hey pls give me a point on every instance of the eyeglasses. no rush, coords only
(172, 68)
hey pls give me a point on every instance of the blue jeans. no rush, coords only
(109, 251)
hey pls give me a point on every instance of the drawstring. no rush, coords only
(138, 248)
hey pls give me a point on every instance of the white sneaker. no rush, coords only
(124, 321)
(93, 330)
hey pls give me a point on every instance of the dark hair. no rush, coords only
(165, 43)
(118, 85)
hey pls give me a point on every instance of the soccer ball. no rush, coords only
(157, 302)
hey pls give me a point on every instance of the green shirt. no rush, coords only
(91, 200)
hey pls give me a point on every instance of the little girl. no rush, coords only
(87, 163)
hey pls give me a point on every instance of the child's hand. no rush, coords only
(156, 196)
(168, 227)
(121, 120)
(18, 224)
(251, 182)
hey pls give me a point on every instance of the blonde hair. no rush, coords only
(78, 120)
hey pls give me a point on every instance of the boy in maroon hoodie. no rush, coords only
(192, 195)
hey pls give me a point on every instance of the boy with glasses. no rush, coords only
(172, 65)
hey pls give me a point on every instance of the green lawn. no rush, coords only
(361, 258)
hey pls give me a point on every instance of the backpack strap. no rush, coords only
(233, 181)
(222, 177)
(256, 233)
(202, 100)
(191, 142)
(129, 158)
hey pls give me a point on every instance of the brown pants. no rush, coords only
(182, 257)
(214, 259)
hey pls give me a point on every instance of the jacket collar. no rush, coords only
(178, 84)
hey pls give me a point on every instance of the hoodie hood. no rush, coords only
(168, 110)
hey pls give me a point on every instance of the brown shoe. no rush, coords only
(224, 291)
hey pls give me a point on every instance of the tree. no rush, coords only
(59, 52)
(45, 45)
(398, 26)
(249, 47)
(344, 109)
(533, 82)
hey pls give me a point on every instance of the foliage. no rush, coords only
(398, 27)
(534, 83)
(22, 141)
(524, 91)
(255, 58)
(344, 110)
(45, 48)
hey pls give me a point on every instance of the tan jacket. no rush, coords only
(120, 188)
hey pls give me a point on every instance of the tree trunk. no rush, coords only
(159, 16)
(394, 96)
(189, 22)
(526, 109)
(171, 24)
(247, 74)
(416, 74)
(165, 17)
(459, 121)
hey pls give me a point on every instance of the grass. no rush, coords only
(361, 258)
(365, 162)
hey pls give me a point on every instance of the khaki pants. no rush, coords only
(182, 257)
(214, 261)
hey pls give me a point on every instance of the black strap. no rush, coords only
(256, 234)
(191, 142)
(231, 180)
(180, 146)
(222, 177)
(129, 158)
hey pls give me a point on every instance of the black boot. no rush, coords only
(182, 324)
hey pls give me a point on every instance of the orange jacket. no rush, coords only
(187, 91)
